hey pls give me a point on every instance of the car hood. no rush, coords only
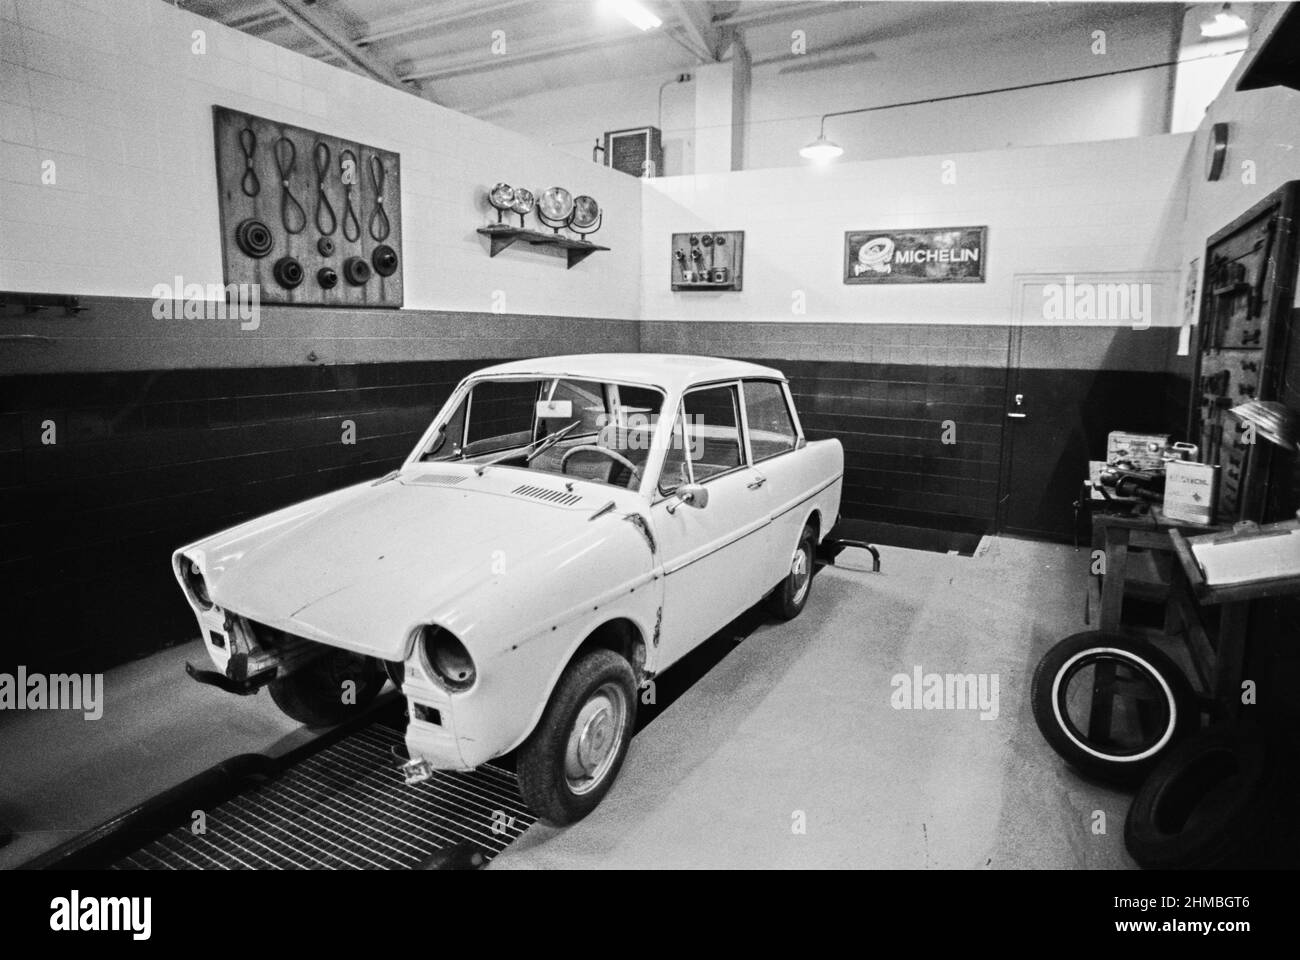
(362, 568)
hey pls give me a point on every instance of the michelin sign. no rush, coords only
(939, 255)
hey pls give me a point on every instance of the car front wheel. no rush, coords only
(567, 765)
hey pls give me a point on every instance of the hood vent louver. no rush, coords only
(438, 479)
(558, 497)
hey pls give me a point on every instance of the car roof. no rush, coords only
(668, 370)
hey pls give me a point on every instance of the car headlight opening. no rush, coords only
(194, 583)
(446, 658)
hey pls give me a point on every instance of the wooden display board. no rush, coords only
(283, 189)
(697, 257)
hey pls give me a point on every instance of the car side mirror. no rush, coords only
(692, 494)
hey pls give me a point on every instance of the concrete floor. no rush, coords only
(794, 724)
(798, 719)
(63, 774)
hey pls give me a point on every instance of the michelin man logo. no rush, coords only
(876, 256)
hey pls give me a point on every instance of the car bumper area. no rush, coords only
(431, 729)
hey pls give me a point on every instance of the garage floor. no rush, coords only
(794, 727)
(798, 719)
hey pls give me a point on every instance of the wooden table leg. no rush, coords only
(1230, 659)
(1112, 588)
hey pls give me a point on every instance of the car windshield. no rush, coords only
(585, 429)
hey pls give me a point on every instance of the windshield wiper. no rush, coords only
(532, 451)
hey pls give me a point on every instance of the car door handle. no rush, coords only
(1017, 416)
(755, 484)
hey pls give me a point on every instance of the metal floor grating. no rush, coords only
(347, 808)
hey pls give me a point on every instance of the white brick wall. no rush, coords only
(1109, 206)
(111, 92)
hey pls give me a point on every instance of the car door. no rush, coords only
(715, 558)
(774, 439)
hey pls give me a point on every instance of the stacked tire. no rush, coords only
(1215, 801)
(1121, 711)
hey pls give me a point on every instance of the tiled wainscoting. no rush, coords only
(146, 460)
(886, 390)
(149, 457)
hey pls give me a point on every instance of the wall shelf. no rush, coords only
(503, 235)
(729, 285)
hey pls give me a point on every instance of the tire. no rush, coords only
(791, 595)
(1212, 801)
(1171, 712)
(313, 694)
(561, 779)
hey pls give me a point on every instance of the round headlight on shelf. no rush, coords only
(556, 203)
(523, 202)
(586, 212)
(502, 196)
(446, 658)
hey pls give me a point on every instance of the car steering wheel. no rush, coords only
(612, 454)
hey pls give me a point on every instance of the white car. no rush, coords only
(564, 530)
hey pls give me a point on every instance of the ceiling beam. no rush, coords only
(329, 31)
(763, 14)
(695, 19)
(399, 25)
(476, 63)
(836, 53)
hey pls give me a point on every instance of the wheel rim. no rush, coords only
(594, 738)
(800, 573)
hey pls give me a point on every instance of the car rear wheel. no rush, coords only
(791, 595)
(567, 765)
(329, 689)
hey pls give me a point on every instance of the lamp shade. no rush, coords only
(821, 150)
(1272, 420)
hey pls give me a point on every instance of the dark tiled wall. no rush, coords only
(884, 390)
(889, 417)
(146, 461)
(171, 430)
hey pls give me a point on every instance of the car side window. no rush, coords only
(447, 444)
(713, 431)
(676, 470)
(771, 429)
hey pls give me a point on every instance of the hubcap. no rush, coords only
(799, 577)
(595, 737)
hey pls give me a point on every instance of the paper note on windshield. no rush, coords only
(1241, 561)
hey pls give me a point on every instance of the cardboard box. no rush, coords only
(1189, 491)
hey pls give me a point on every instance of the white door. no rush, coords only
(716, 558)
(773, 436)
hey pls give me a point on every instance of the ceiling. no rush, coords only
(470, 54)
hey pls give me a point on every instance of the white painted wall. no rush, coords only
(785, 107)
(955, 53)
(1263, 151)
(112, 93)
(1111, 207)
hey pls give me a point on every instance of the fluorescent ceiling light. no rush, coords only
(821, 150)
(634, 13)
(1225, 23)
